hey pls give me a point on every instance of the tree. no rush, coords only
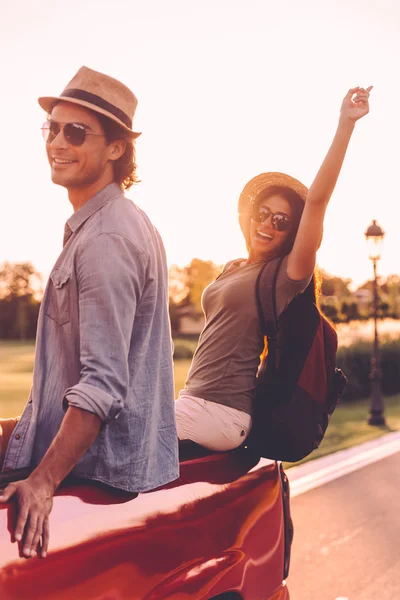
(19, 279)
(350, 311)
(334, 286)
(200, 274)
(392, 284)
(20, 289)
(330, 311)
(178, 289)
(173, 317)
(186, 284)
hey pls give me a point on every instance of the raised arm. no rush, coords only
(301, 261)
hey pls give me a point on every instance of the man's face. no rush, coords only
(76, 167)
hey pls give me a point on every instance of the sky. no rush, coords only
(227, 89)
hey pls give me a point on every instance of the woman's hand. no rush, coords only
(355, 104)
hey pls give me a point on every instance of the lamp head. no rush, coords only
(374, 236)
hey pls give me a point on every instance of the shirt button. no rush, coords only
(17, 436)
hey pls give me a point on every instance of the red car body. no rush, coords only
(222, 530)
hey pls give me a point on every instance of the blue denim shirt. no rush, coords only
(104, 345)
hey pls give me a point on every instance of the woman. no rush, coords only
(278, 217)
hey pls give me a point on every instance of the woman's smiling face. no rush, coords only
(266, 241)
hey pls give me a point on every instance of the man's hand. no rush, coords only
(355, 104)
(34, 503)
(34, 496)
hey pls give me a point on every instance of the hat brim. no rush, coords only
(260, 183)
(47, 103)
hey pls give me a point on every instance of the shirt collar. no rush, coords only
(96, 202)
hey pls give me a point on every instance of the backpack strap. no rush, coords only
(266, 303)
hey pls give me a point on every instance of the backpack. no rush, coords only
(298, 385)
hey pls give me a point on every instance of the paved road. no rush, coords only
(347, 537)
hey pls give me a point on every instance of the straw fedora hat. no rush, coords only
(100, 93)
(258, 184)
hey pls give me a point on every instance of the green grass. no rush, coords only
(348, 425)
(181, 368)
(16, 364)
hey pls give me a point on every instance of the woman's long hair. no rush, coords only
(297, 206)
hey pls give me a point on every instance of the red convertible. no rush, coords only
(221, 532)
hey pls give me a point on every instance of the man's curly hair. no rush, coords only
(125, 166)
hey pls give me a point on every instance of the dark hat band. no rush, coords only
(97, 101)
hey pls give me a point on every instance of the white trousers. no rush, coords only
(212, 425)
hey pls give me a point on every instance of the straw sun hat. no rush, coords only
(258, 184)
(100, 93)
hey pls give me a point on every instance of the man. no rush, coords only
(102, 401)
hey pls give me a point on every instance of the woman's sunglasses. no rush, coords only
(74, 133)
(280, 221)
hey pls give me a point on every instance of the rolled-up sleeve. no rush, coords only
(111, 277)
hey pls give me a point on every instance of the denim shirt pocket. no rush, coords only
(58, 301)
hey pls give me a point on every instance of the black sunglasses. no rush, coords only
(280, 221)
(74, 133)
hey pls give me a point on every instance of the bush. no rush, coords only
(183, 350)
(355, 361)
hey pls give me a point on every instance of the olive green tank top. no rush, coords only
(227, 357)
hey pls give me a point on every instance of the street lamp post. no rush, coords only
(374, 235)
